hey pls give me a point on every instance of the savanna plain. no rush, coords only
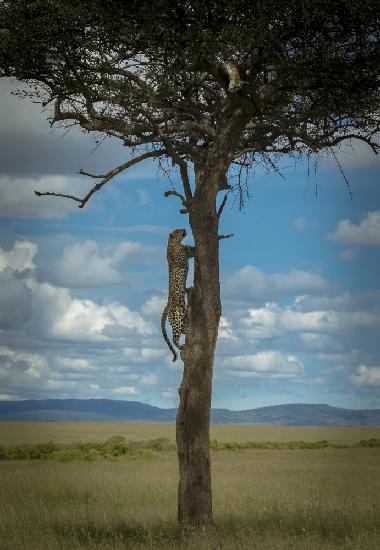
(274, 487)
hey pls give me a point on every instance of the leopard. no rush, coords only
(177, 255)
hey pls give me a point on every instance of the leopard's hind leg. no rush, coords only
(177, 324)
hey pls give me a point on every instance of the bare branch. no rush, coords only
(83, 173)
(220, 210)
(175, 193)
(111, 174)
(182, 168)
(40, 193)
(220, 237)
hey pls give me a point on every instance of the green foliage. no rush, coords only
(117, 447)
(373, 442)
(114, 447)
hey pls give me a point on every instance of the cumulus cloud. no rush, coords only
(32, 364)
(60, 316)
(20, 257)
(362, 300)
(366, 376)
(252, 283)
(87, 264)
(268, 363)
(15, 297)
(153, 306)
(225, 329)
(51, 312)
(367, 232)
(272, 320)
(143, 355)
(317, 342)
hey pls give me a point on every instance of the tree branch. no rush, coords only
(83, 173)
(112, 173)
(225, 236)
(220, 210)
(175, 193)
(182, 168)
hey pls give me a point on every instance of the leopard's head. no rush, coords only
(178, 235)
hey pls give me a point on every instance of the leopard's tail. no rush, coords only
(165, 336)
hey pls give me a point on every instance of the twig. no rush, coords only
(83, 173)
(225, 236)
(39, 194)
(342, 172)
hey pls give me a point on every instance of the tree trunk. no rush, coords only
(193, 416)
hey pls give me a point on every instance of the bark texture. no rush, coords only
(193, 417)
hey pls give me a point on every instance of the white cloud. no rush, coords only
(363, 300)
(85, 265)
(366, 376)
(17, 198)
(225, 329)
(56, 314)
(252, 283)
(94, 387)
(272, 320)
(34, 365)
(71, 364)
(20, 257)
(317, 342)
(144, 355)
(367, 232)
(125, 390)
(154, 306)
(267, 363)
(149, 379)
(5, 397)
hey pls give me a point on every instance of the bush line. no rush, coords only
(116, 447)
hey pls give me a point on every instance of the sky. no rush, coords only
(82, 290)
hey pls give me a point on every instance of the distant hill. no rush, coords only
(109, 410)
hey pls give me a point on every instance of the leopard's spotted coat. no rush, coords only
(175, 310)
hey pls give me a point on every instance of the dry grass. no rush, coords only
(263, 499)
(15, 433)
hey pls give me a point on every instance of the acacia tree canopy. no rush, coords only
(186, 79)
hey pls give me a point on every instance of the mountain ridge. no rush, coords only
(110, 410)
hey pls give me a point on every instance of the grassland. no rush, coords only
(304, 499)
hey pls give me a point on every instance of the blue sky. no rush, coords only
(82, 291)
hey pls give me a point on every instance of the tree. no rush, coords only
(212, 85)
